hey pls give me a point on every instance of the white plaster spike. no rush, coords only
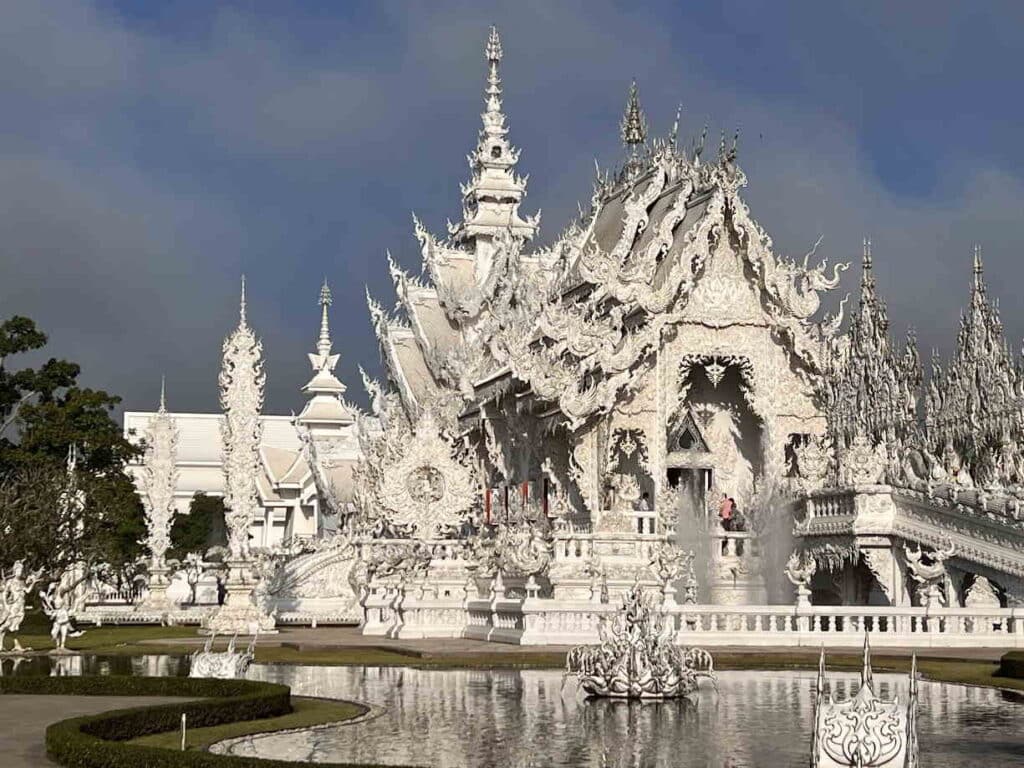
(866, 675)
(163, 395)
(241, 305)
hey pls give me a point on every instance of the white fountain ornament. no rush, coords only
(636, 658)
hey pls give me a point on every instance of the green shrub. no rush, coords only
(99, 741)
(1012, 665)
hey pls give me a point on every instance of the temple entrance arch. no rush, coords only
(716, 416)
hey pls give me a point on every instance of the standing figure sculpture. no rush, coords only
(56, 607)
(13, 590)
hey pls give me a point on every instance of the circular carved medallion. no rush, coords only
(425, 484)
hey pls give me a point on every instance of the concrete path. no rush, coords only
(23, 721)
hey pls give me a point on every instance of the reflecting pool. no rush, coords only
(524, 718)
(521, 718)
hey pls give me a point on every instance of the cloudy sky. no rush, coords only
(150, 153)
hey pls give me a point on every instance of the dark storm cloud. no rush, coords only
(146, 161)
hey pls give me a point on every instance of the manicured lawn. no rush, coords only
(306, 713)
(109, 639)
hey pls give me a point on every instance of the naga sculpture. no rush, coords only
(930, 577)
(637, 658)
(800, 569)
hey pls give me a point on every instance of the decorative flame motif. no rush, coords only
(865, 731)
(223, 665)
(637, 658)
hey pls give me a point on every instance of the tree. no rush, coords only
(202, 528)
(43, 414)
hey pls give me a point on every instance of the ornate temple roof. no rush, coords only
(572, 323)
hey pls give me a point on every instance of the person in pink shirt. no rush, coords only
(725, 507)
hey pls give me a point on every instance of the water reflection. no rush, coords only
(473, 718)
(521, 718)
(89, 664)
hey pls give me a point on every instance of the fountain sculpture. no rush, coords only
(864, 731)
(228, 664)
(637, 658)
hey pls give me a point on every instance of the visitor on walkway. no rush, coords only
(725, 507)
(739, 524)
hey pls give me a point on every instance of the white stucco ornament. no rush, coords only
(427, 489)
(242, 380)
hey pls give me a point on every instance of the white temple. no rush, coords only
(560, 423)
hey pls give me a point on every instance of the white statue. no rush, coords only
(56, 607)
(13, 590)
(224, 665)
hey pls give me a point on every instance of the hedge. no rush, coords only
(1012, 665)
(100, 741)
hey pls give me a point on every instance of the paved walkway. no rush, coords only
(23, 721)
(339, 638)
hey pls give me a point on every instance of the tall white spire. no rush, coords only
(491, 198)
(159, 479)
(242, 381)
(325, 406)
(322, 360)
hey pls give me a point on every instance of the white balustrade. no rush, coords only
(844, 626)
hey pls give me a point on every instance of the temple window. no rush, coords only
(495, 152)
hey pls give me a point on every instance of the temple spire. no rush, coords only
(326, 406)
(634, 124)
(493, 54)
(491, 198)
(323, 346)
(978, 270)
(163, 395)
(867, 275)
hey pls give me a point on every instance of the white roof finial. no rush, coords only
(323, 346)
(634, 125)
(241, 306)
(163, 395)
